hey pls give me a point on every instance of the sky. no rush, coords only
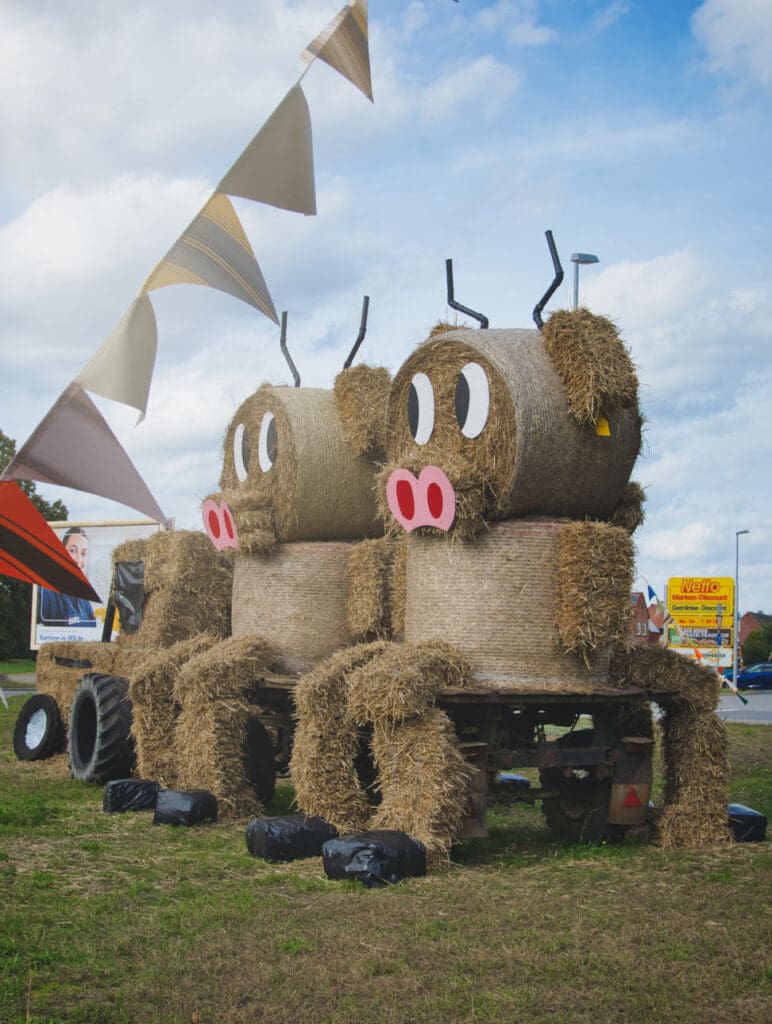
(636, 130)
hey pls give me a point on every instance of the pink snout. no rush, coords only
(219, 525)
(427, 501)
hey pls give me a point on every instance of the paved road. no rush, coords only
(758, 710)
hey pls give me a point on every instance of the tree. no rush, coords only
(755, 648)
(15, 595)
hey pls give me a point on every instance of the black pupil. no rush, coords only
(462, 399)
(270, 441)
(412, 410)
(245, 449)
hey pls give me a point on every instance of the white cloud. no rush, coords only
(485, 80)
(737, 37)
(610, 14)
(517, 21)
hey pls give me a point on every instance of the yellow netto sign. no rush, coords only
(696, 599)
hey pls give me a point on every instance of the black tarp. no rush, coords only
(129, 795)
(374, 858)
(185, 807)
(129, 593)
(289, 837)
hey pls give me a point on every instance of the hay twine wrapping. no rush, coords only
(326, 742)
(533, 456)
(403, 682)
(187, 588)
(596, 369)
(370, 566)
(151, 691)
(361, 395)
(423, 779)
(696, 752)
(494, 598)
(215, 690)
(687, 684)
(629, 513)
(595, 571)
(297, 597)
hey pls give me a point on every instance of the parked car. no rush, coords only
(755, 677)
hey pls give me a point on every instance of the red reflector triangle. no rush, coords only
(632, 799)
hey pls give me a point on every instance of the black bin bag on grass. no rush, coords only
(375, 858)
(747, 825)
(185, 807)
(129, 795)
(289, 837)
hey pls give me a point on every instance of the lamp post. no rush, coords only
(735, 666)
(576, 259)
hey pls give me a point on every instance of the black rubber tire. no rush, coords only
(260, 761)
(579, 814)
(39, 730)
(99, 741)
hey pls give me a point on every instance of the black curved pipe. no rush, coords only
(557, 280)
(285, 350)
(362, 332)
(482, 320)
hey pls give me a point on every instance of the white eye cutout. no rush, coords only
(266, 444)
(241, 452)
(420, 408)
(473, 400)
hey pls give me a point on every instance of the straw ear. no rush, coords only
(629, 513)
(592, 362)
(361, 396)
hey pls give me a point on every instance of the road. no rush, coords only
(758, 710)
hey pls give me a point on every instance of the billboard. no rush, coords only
(694, 603)
(58, 617)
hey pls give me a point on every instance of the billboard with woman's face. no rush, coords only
(59, 617)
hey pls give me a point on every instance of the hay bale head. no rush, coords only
(491, 410)
(187, 588)
(289, 472)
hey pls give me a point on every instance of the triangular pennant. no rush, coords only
(343, 44)
(215, 251)
(277, 167)
(31, 551)
(73, 446)
(122, 367)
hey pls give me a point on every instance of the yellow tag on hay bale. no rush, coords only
(602, 429)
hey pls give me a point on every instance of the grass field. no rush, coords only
(12, 668)
(106, 919)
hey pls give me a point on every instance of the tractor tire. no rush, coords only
(578, 814)
(39, 730)
(99, 740)
(260, 761)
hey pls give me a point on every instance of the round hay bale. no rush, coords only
(494, 597)
(532, 456)
(296, 597)
(306, 476)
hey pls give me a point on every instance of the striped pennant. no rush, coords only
(343, 44)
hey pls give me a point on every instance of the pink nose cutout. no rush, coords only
(428, 501)
(219, 525)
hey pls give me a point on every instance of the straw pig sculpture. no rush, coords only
(508, 467)
(295, 498)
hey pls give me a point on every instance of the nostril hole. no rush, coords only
(214, 524)
(405, 499)
(434, 500)
(226, 516)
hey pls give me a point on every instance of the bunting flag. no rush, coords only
(277, 167)
(343, 44)
(31, 551)
(73, 446)
(122, 367)
(215, 251)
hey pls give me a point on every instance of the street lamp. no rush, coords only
(576, 259)
(737, 535)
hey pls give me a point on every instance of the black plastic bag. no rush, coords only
(375, 858)
(288, 837)
(185, 807)
(747, 825)
(129, 795)
(129, 593)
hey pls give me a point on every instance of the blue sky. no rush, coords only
(634, 129)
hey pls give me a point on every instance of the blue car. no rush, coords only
(755, 677)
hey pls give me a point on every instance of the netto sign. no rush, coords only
(697, 598)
